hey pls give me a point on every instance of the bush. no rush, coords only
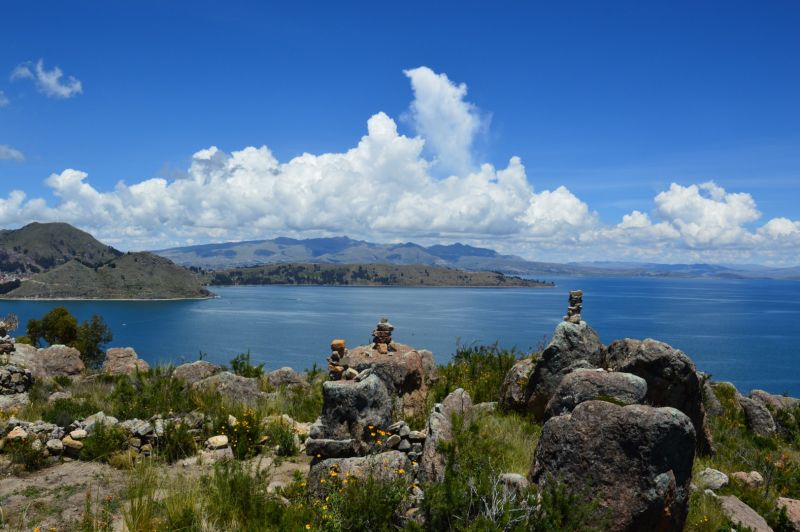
(241, 366)
(104, 441)
(480, 370)
(237, 495)
(244, 435)
(175, 443)
(148, 393)
(368, 504)
(62, 412)
(281, 435)
(21, 451)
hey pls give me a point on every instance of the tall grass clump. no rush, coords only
(148, 393)
(480, 370)
(103, 442)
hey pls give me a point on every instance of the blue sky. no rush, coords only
(614, 102)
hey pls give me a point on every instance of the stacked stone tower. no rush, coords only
(382, 337)
(575, 306)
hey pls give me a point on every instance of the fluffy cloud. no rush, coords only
(48, 82)
(386, 188)
(444, 119)
(4, 101)
(7, 153)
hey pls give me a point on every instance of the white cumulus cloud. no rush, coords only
(387, 188)
(7, 153)
(49, 82)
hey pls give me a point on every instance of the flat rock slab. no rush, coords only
(742, 515)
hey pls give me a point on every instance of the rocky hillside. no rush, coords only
(364, 275)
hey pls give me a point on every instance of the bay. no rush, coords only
(744, 331)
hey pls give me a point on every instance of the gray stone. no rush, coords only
(217, 442)
(742, 515)
(712, 479)
(671, 377)
(404, 446)
(328, 448)
(757, 417)
(393, 441)
(635, 460)
(440, 429)
(349, 407)
(123, 361)
(792, 507)
(512, 391)
(514, 484)
(382, 466)
(232, 387)
(56, 361)
(285, 377)
(573, 346)
(587, 384)
(196, 371)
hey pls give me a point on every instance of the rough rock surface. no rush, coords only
(671, 377)
(637, 461)
(741, 514)
(792, 507)
(712, 404)
(573, 346)
(285, 377)
(386, 466)
(123, 361)
(753, 479)
(712, 479)
(198, 370)
(440, 428)
(349, 407)
(232, 386)
(586, 384)
(776, 402)
(14, 380)
(406, 372)
(512, 392)
(757, 417)
(54, 361)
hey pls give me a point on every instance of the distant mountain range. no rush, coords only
(58, 261)
(344, 250)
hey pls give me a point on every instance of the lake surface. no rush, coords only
(747, 332)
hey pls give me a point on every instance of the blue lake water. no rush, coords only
(747, 332)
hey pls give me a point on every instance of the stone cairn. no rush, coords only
(7, 324)
(575, 306)
(382, 337)
(338, 351)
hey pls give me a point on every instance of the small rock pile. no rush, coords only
(336, 369)
(382, 337)
(7, 342)
(14, 380)
(575, 306)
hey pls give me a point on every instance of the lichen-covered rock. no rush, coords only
(587, 384)
(383, 466)
(712, 479)
(671, 377)
(233, 387)
(573, 346)
(440, 428)
(635, 460)
(349, 407)
(792, 507)
(406, 372)
(757, 417)
(751, 479)
(196, 371)
(512, 391)
(56, 361)
(123, 361)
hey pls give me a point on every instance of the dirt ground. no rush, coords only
(54, 498)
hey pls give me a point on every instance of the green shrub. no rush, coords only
(480, 370)
(241, 365)
(368, 504)
(244, 434)
(62, 412)
(104, 441)
(280, 434)
(21, 451)
(175, 443)
(148, 393)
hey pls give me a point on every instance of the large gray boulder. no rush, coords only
(198, 370)
(741, 515)
(636, 461)
(285, 377)
(350, 407)
(56, 361)
(232, 387)
(512, 391)
(587, 384)
(671, 376)
(382, 466)
(757, 417)
(573, 346)
(440, 429)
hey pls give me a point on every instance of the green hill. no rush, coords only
(129, 276)
(39, 247)
(364, 275)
